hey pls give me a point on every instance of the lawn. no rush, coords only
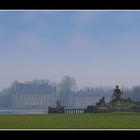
(72, 121)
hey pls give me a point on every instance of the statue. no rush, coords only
(101, 102)
(117, 94)
(58, 103)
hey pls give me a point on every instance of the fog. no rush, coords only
(65, 89)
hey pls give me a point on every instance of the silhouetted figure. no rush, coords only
(57, 109)
(101, 102)
(117, 94)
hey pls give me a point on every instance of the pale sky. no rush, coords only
(97, 48)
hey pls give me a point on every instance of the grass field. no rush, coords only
(75, 121)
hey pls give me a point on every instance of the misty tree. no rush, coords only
(5, 98)
(136, 93)
(15, 86)
(66, 88)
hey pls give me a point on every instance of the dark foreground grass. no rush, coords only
(75, 121)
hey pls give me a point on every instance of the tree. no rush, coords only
(66, 88)
(67, 83)
(136, 93)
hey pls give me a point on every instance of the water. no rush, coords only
(22, 111)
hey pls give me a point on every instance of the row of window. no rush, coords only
(30, 102)
(33, 96)
(35, 91)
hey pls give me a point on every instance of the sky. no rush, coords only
(97, 48)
